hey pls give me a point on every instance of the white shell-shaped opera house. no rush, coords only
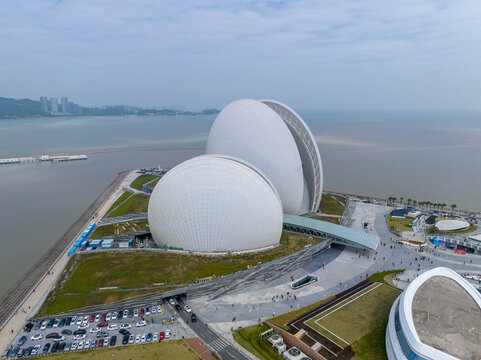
(215, 204)
(262, 161)
(274, 138)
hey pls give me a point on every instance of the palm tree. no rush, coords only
(409, 201)
(453, 206)
(401, 198)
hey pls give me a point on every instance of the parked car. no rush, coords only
(161, 336)
(59, 338)
(100, 343)
(74, 345)
(113, 327)
(51, 335)
(54, 348)
(83, 326)
(148, 337)
(174, 316)
(44, 325)
(102, 334)
(141, 323)
(147, 311)
(125, 326)
(136, 313)
(124, 332)
(114, 315)
(178, 308)
(187, 308)
(36, 337)
(155, 337)
(28, 326)
(5, 353)
(87, 344)
(103, 324)
(113, 340)
(74, 319)
(131, 314)
(95, 329)
(61, 323)
(131, 339)
(153, 309)
(35, 350)
(55, 323)
(171, 301)
(61, 346)
(137, 339)
(167, 334)
(125, 339)
(159, 309)
(108, 317)
(79, 337)
(92, 318)
(141, 312)
(45, 348)
(38, 323)
(14, 352)
(68, 321)
(79, 331)
(50, 323)
(67, 332)
(125, 314)
(68, 346)
(80, 345)
(97, 318)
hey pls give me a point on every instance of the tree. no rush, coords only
(453, 206)
(409, 201)
(401, 198)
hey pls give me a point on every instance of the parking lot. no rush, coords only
(157, 322)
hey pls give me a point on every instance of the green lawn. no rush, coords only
(142, 179)
(334, 220)
(153, 183)
(135, 269)
(121, 198)
(331, 204)
(248, 338)
(172, 349)
(283, 319)
(372, 346)
(356, 316)
(396, 225)
(136, 204)
(119, 228)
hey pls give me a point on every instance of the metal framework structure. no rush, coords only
(336, 233)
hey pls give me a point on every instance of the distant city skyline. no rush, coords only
(409, 55)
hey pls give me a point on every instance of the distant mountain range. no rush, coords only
(22, 108)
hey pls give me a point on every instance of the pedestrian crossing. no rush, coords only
(218, 344)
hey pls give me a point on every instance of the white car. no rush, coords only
(74, 346)
(74, 319)
(36, 337)
(58, 338)
(187, 308)
(126, 314)
(113, 327)
(155, 338)
(153, 309)
(44, 325)
(35, 350)
(171, 301)
(87, 344)
(159, 308)
(97, 318)
(108, 317)
(80, 345)
(141, 323)
(125, 326)
(55, 323)
(136, 313)
(85, 322)
(131, 339)
(174, 316)
(83, 326)
(79, 337)
(106, 341)
(86, 318)
(147, 311)
(167, 334)
(95, 329)
(79, 320)
(142, 339)
(137, 339)
(114, 315)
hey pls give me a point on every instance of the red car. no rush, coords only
(102, 317)
(100, 343)
(92, 318)
(161, 336)
(103, 324)
(141, 312)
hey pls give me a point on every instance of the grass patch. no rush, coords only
(381, 276)
(283, 319)
(332, 205)
(119, 228)
(141, 180)
(397, 225)
(248, 338)
(372, 346)
(138, 203)
(352, 319)
(172, 349)
(153, 183)
(333, 220)
(121, 198)
(139, 269)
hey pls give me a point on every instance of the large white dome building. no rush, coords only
(274, 138)
(215, 204)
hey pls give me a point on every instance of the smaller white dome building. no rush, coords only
(215, 204)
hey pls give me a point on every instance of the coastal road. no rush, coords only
(10, 303)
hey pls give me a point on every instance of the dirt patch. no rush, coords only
(200, 348)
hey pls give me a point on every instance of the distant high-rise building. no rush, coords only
(44, 104)
(64, 102)
(53, 105)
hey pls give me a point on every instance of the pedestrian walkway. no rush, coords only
(200, 348)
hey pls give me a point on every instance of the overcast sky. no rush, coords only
(341, 54)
